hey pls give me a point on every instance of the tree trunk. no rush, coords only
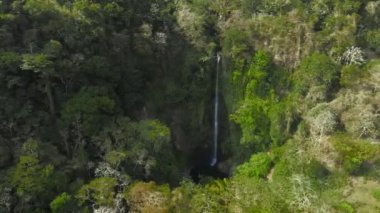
(50, 97)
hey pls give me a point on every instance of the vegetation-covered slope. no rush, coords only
(106, 106)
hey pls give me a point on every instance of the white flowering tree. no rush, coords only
(322, 121)
(353, 55)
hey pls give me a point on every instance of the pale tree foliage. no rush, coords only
(304, 198)
(362, 121)
(192, 25)
(373, 7)
(322, 121)
(146, 197)
(6, 199)
(303, 195)
(353, 55)
(146, 30)
(105, 170)
(145, 161)
(160, 38)
(320, 7)
(104, 209)
(288, 38)
(118, 207)
(316, 94)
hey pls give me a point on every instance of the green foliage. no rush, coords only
(322, 121)
(315, 70)
(156, 133)
(257, 74)
(346, 207)
(38, 63)
(353, 153)
(251, 116)
(99, 68)
(181, 196)
(31, 178)
(40, 7)
(114, 158)
(256, 195)
(99, 61)
(9, 61)
(100, 191)
(258, 166)
(193, 24)
(295, 158)
(376, 194)
(52, 49)
(207, 198)
(280, 116)
(31, 148)
(373, 40)
(350, 74)
(146, 146)
(63, 203)
(148, 197)
(91, 108)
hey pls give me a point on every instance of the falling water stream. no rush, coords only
(214, 159)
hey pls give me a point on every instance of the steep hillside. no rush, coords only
(189, 106)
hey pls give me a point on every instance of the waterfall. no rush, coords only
(214, 159)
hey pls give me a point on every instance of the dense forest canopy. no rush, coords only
(107, 106)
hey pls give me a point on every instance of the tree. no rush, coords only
(281, 117)
(115, 158)
(350, 74)
(148, 197)
(89, 110)
(100, 191)
(373, 39)
(322, 121)
(63, 203)
(253, 120)
(100, 72)
(40, 64)
(258, 166)
(252, 114)
(257, 74)
(315, 70)
(31, 179)
(352, 152)
(352, 56)
(147, 144)
(192, 24)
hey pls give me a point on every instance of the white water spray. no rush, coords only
(214, 159)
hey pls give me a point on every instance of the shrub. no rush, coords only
(373, 40)
(280, 116)
(115, 158)
(258, 166)
(148, 197)
(9, 61)
(362, 121)
(376, 194)
(322, 120)
(31, 178)
(353, 55)
(62, 203)
(350, 74)
(91, 106)
(346, 207)
(100, 191)
(353, 153)
(316, 70)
